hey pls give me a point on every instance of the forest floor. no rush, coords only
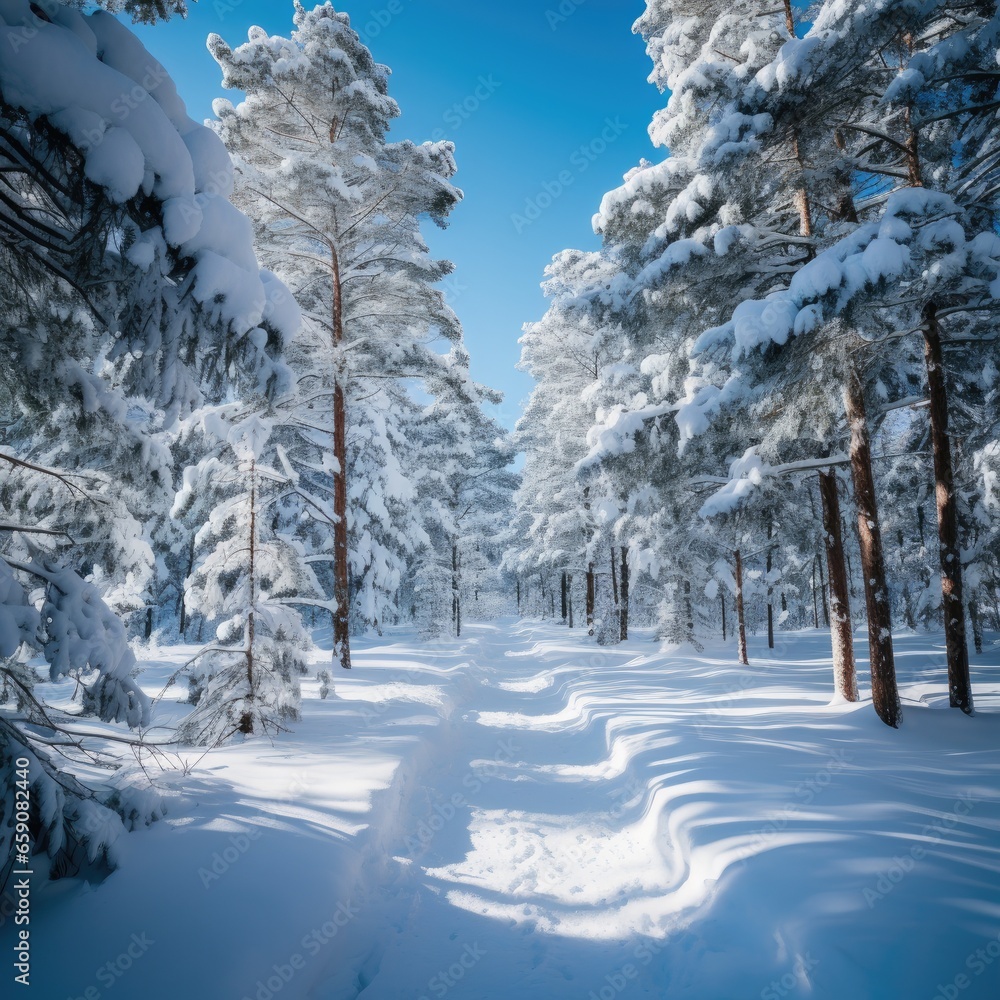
(524, 814)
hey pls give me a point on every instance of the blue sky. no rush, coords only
(547, 103)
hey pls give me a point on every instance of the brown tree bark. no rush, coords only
(976, 619)
(456, 599)
(625, 585)
(822, 592)
(815, 597)
(741, 622)
(885, 694)
(841, 633)
(246, 720)
(341, 574)
(591, 598)
(770, 589)
(959, 684)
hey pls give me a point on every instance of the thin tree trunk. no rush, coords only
(565, 609)
(841, 633)
(822, 592)
(722, 596)
(770, 589)
(625, 585)
(519, 596)
(815, 597)
(569, 597)
(977, 626)
(591, 598)
(341, 582)
(614, 576)
(183, 625)
(885, 694)
(959, 683)
(456, 601)
(246, 720)
(740, 611)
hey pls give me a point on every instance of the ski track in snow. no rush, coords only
(521, 813)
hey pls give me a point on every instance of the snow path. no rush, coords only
(524, 814)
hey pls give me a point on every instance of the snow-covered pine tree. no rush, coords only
(563, 354)
(338, 208)
(461, 458)
(118, 235)
(247, 582)
(919, 246)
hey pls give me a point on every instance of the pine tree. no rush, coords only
(338, 209)
(247, 582)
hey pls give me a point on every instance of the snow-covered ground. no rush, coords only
(524, 814)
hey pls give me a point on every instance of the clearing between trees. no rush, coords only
(521, 813)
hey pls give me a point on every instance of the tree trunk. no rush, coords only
(959, 683)
(519, 596)
(885, 694)
(740, 611)
(815, 597)
(569, 597)
(841, 634)
(341, 581)
(183, 624)
(591, 598)
(770, 589)
(977, 626)
(822, 591)
(625, 585)
(246, 720)
(456, 602)
(614, 577)
(565, 609)
(722, 596)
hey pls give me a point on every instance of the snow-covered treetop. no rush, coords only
(88, 85)
(142, 11)
(311, 132)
